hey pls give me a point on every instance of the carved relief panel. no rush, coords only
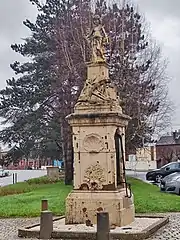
(93, 143)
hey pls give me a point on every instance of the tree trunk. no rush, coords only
(67, 148)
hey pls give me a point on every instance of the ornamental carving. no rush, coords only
(94, 177)
(93, 143)
(95, 91)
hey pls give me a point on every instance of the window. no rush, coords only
(173, 166)
(178, 164)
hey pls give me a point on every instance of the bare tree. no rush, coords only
(52, 82)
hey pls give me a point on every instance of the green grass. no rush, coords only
(29, 204)
(26, 186)
(27, 201)
(149, 199)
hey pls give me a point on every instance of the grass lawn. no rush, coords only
(148, 198)
(28, 204)
(24, 199)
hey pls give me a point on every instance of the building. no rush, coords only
(143, 160)
(168, 148)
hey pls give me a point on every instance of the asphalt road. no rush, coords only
(135, 174)
(22, 175)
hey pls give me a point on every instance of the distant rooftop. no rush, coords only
(169, 139)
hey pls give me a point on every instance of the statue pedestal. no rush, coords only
(84, 205)
(98, 126)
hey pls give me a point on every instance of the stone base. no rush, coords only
(142, 228)
(82, 206)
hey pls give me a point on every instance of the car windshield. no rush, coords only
(172, 165)
(165, 166)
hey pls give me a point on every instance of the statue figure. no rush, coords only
(98, 39)
(87, 91)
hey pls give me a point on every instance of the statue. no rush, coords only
(87, 91)
(98, 39)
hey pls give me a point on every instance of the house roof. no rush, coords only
(166, 140)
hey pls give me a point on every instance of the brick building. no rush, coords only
(168, 149)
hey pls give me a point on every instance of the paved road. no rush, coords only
(135, 174)
(9, 228)
(22, 175)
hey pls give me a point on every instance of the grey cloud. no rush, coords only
(160, 7)
(12, 30)
(12, 14)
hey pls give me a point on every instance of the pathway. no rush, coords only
(9, 228)
(22, 175)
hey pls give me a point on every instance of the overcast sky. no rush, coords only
(163, 15)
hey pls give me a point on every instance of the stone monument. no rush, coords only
(98, 126)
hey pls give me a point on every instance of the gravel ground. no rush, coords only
(171, 231)
(9, 227)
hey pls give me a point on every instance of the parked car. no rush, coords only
(4, 173)
(157, 174)
(171, 183)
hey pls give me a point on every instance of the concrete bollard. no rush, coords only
(46, 225)
(44, 205)
(103, 228)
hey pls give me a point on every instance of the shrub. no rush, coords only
(17, 188)
(27, 186)
(41, 180)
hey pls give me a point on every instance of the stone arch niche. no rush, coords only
(120, 174)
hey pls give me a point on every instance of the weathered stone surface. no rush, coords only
(9, 228)
(98, 144)
(53, 172)
(84, 205)
(143, 227)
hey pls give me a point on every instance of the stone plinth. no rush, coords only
(97, 71)
(84, 205)
(94, 149)
(95, 170)
(98, 126)
(53, 172)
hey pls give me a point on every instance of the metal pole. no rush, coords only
(103, 228)
(13, 178)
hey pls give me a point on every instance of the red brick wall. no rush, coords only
(166, 153)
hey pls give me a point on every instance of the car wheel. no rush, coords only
(158, 178)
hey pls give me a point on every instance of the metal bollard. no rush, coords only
(15, 177)
(103, 228)
(46, 225)
(44, 205)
